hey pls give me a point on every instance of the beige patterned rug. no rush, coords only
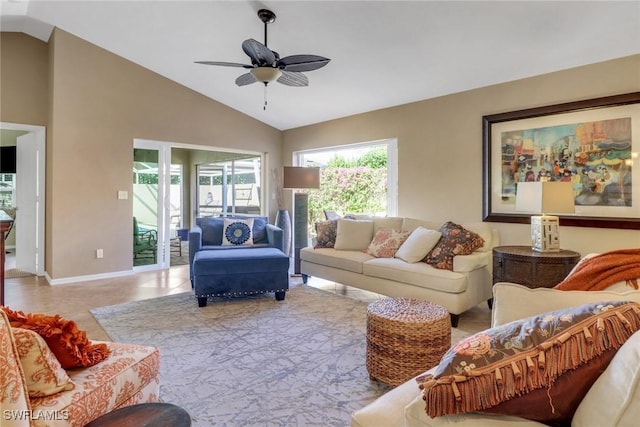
(255, 361)
(259, 362)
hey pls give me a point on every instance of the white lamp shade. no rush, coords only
(545, 197)
(300, 177)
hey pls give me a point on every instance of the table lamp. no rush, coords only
(542, 198)
(300, 178)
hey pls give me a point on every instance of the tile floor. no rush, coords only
(73, 301)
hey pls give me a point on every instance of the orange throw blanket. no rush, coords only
(600, 271)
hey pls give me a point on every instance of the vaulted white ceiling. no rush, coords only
(383, 53)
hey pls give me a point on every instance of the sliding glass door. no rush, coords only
(151, 215)
(229, 187)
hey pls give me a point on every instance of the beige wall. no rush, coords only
(99, 104)
(94, 104)
(23, 80)
(440, 145)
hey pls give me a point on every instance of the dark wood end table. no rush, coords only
(523, 265)
(156, 414)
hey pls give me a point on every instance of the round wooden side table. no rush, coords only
(523, 265)
(405, 337)
(155, 414)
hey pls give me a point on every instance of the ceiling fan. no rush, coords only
(267, 66)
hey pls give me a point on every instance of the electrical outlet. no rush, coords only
(99, 253)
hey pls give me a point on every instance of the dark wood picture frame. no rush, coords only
(492, 214)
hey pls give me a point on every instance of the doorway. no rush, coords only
(173, 184)
(27, 197)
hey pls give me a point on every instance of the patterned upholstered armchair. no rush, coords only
(129, 375)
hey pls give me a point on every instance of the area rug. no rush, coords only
(255, 361)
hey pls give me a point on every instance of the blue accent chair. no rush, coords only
(224, 271)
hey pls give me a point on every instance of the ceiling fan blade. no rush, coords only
(290, 78)
(224, 64)
(245, 79)
(260, 55)
(300, 63)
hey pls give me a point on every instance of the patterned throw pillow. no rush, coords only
(326, 233)
(455, 240)
(237, 232)
(69, 344)
(42, 371)
(538, 368)
(386, 242)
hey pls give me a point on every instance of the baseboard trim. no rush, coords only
(75, 279)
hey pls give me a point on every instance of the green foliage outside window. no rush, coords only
(351, 186)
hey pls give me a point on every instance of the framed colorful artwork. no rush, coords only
(594, 144)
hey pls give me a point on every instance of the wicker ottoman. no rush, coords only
(405, 337)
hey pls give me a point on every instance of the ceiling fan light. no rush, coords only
(266, 74)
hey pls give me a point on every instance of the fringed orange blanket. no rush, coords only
(600, 271)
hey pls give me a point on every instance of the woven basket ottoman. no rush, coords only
(405, 337)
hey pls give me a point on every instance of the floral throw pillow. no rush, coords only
(386, 242)
(326, 233)
(42, 371)
(538, 368)
(455, 240)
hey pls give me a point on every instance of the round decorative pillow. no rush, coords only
(237, 233)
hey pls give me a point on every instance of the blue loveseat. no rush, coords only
(218, 270)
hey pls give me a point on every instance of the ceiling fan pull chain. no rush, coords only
(265, 97)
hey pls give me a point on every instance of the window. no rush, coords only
(7, 189)
(358, 178)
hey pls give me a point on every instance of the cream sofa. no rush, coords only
(459, 290)
(129, 375)
(613, 400)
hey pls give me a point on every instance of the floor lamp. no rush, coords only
(542, 197)
(300, 178)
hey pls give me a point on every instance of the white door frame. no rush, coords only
(164, 204)
(36, 226)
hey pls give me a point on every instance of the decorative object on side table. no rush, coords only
(545, 197)
(300, 178)
(523, 265)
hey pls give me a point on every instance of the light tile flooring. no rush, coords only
(73, 301)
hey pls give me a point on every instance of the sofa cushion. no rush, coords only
(614, 399)
(70, 344)
(43, 374)
(386, 242)
(418, 244)
(393, 222)
(128, 376)
(508, 298)
(509, 362)
(344, 260)
(417, 274)
(353, 234)
(483, 230)
(237, 232)
(455, 240)
(242, 260)
(326, 233)
(412, 223)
